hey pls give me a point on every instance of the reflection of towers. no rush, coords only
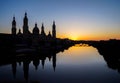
(54, 61)
(36, 63)
(14, 64)
(49, 57)
(43, 62)
(13, 30)
(26, 69)
(25, 25)
(54, 30)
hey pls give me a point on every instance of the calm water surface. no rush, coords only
(78, 64)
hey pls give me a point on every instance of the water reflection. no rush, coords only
(111, 56)
(14, 65)
(78, 64)
(27, 58)
(36, 61)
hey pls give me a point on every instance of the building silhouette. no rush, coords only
(35, 32)
(13, 30)
(42, 31)
(54, 30)
(25, 25)
(33, 40)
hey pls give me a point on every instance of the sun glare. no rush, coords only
(74, 38)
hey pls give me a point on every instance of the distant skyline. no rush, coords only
(75, 19)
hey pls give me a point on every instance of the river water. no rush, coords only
(78, 64)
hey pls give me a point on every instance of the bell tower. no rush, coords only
(42, 30)
(54, 30)
(13, 30)
(25, 25)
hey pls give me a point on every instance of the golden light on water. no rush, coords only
(79, 53)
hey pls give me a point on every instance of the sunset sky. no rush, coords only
(75, 19)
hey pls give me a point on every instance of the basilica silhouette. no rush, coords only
(38, 40)
(35, 31)
(26, 47)
(36, 37)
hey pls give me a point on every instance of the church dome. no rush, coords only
(35, 29)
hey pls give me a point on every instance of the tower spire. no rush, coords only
(54, 22)
(42, 30)
(25, 13)
(13, 30)
(35, 24)
(54, 30)
(14, 17)
(25, 24)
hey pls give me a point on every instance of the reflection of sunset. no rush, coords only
(81, 49)
(79, 54)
